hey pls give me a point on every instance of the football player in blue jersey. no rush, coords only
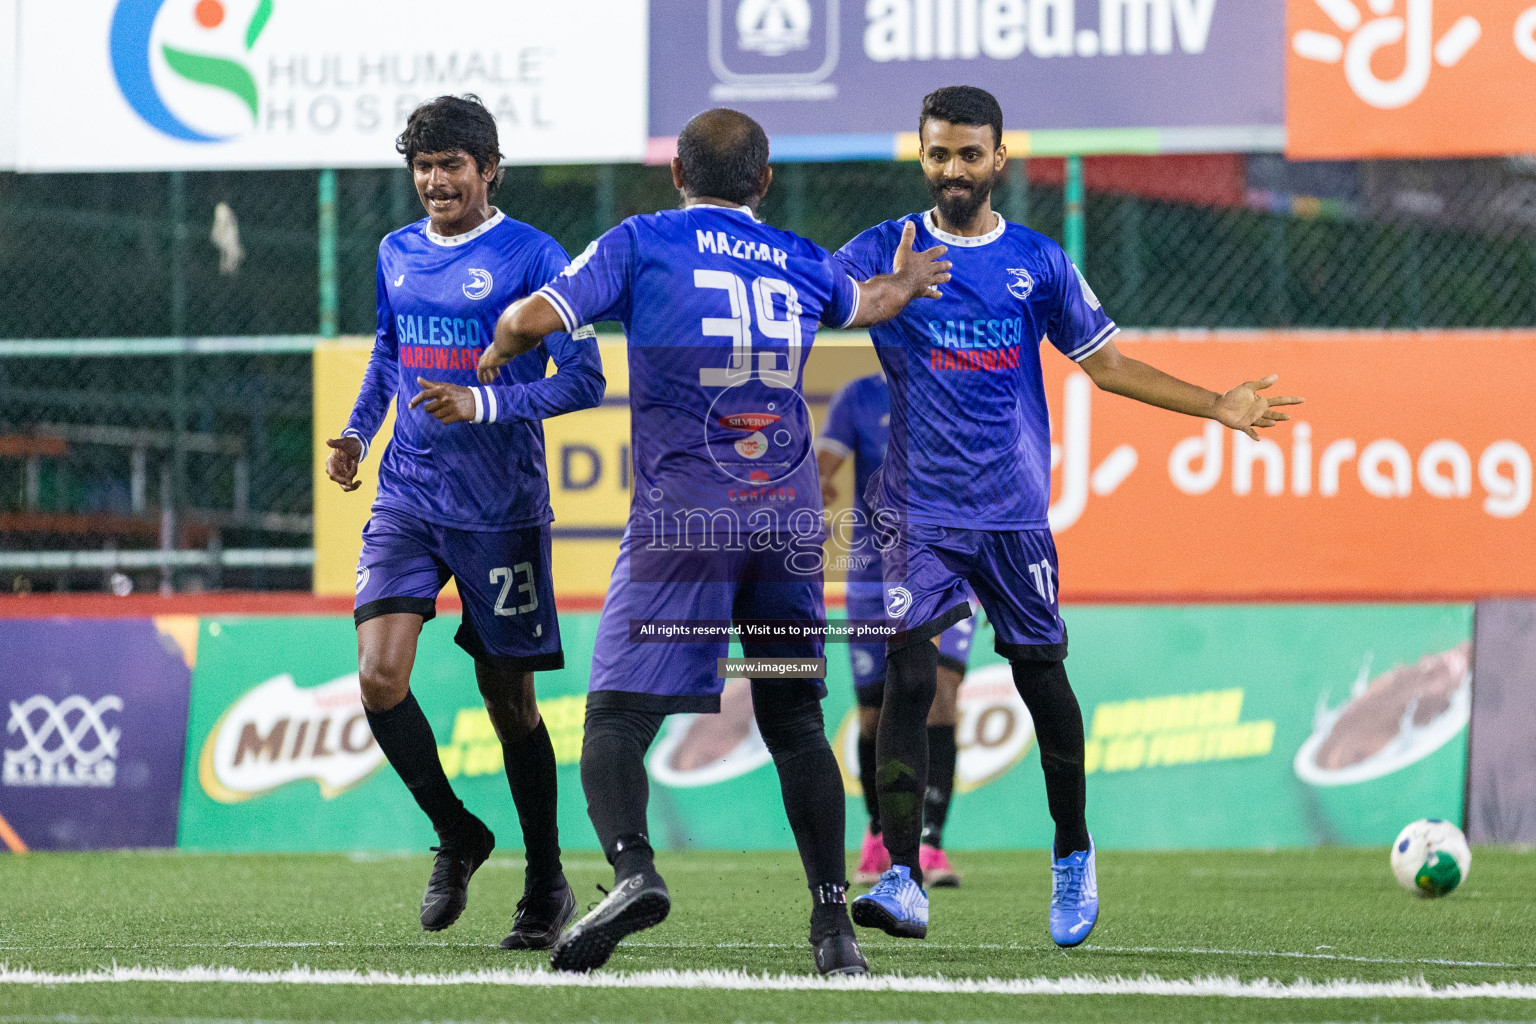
(858, 427)
(962, 496)
(463, 494)
(720, 311)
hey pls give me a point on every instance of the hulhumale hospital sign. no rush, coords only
(154, 84)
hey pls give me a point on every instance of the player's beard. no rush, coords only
(960, 211)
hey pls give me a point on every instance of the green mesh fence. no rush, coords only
(203, 452)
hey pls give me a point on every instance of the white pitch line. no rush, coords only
(877, 943)
(1305, 956)
(740, 981)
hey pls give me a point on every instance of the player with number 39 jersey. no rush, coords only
(720, 311)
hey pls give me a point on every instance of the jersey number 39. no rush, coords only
(738, 327)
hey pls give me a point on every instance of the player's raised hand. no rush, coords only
(1243, 408)
(341, 464)
(450, 403)
(922, 272)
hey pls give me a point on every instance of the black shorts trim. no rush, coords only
(470, 642)
(952, 663)
(930, 629)
(426, 607)
(1032, 652)
(655, 703)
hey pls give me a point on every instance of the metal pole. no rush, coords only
(604, 206)
(171, 502)
(1073, 228)
(327, 231)
(1016, 206)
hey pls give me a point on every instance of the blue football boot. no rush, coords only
(1074, 897)
(896, 905)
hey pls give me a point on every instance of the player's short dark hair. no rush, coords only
(963, 104)
(724, 153)
(453, 122)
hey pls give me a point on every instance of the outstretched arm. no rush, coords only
(519, 329)
(1241, 408)
(914, 275)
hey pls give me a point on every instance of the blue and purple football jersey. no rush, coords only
(970, 437)
(438, 301)
(858, 427)
(720, 311)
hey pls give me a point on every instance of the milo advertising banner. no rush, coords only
(1208, 726)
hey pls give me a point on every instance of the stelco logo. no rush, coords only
(134, 60)
(1360, 39)
(68, 743)
(279, 733)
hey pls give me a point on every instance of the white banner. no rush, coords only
(8, 73)
(212, 84)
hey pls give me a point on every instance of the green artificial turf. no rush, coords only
(1174, 915)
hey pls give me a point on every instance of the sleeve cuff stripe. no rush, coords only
(854, 313)
(490, 400)
(562, 308)
(354, 432)
(479, 406)
(1099, 341)
(831, 444)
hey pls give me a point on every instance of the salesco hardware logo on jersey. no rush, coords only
(68, 743)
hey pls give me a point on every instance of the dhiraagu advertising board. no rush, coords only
(1207, 726)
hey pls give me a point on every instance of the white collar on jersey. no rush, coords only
(495, 218)
(729, 209)
(964, 241)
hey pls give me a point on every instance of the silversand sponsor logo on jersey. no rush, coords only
(1020, 283)
(748, 420)
(279, 732)
(479, 284)
(68, 743)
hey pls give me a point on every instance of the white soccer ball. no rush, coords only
(1431, 857)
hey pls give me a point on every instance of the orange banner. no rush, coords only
(1407, 473)
(1410, 78)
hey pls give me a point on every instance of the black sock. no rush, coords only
(829, 910)
(405, 736)
(941, 783)
(901, 744)
(789, 718)
(530, 765)
(1059, 731)
(614, 781)
(867, 780)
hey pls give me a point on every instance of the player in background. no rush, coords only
(966, 484)
(720, 311)
(858, 426)
(463, 494)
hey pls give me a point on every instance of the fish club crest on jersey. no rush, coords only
(479, 284)
(1020, 283)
